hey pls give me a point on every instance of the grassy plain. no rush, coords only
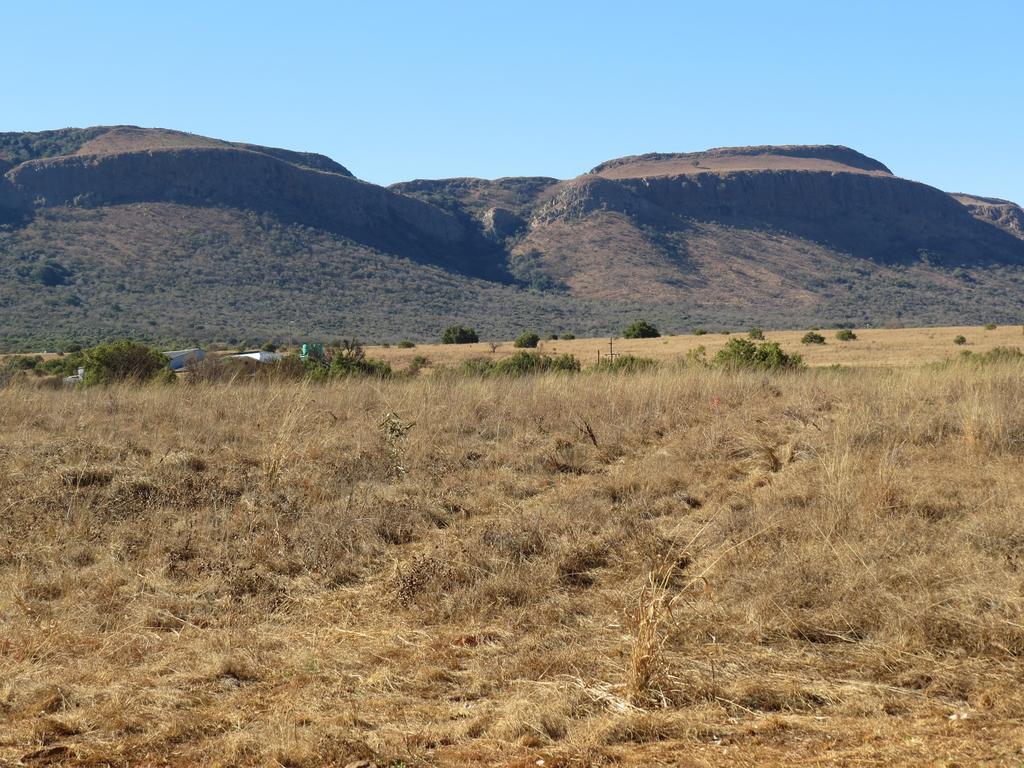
(873, 347)
(688, 567)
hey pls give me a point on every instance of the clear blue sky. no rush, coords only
(430, 89)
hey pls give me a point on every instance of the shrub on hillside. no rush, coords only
(700, 332)
(568, 336)
(756, 333)
(405, 344)
(959, 340)
(626, 364)
(743, 353)
(990, 326)
(527, 340)
(459, 334)
(846, 334)
(640, 329)
(812, 337)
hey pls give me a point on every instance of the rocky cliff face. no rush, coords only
(1002, 213)
(873, 216)
(251, 180)
(518, 194)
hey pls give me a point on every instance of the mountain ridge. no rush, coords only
(790, 234)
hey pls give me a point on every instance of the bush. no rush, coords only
(743, 353)
(756, 333)
(519, 364)
(697, 356)
(812, 337)
(405, 344)
(458, 334)
(23, 362)
(476, 366)
(845, 334)
(990, 326)
(349, 360)
(417, 364)
(994, 355)
(269, 347)
(625, 364)
(568, 336)
(959, 340)
(700, 332)
(640, 329)
(527, 340)
(522, 363)
(61, 366)
(51, 274)
(123, 361)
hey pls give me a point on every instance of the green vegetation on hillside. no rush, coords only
(19, 147)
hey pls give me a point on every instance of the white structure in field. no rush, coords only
(259, 357)
(177, 359)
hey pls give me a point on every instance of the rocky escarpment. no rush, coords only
(310, 160)
(501, 207)
(256, 181)
(874, 216)
(517, 194)
(1002, 213)
(12, 206)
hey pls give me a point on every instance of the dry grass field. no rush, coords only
(693, 568)
(873, 347)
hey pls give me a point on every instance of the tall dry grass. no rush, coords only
(822, 566)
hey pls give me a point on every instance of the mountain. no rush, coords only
(164, 235)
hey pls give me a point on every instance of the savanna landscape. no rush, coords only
(683, 563)
(373, 395)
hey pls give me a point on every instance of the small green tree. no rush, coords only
(812, 337)
(405, 344)
(527, 340)
(459, 334)
(640, 329)
(959, 340)
(846, 334)
(568, 336)
(122, 361)
(756, 333)
(743, 353)
(990, 326)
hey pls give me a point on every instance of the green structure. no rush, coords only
(312, 352)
